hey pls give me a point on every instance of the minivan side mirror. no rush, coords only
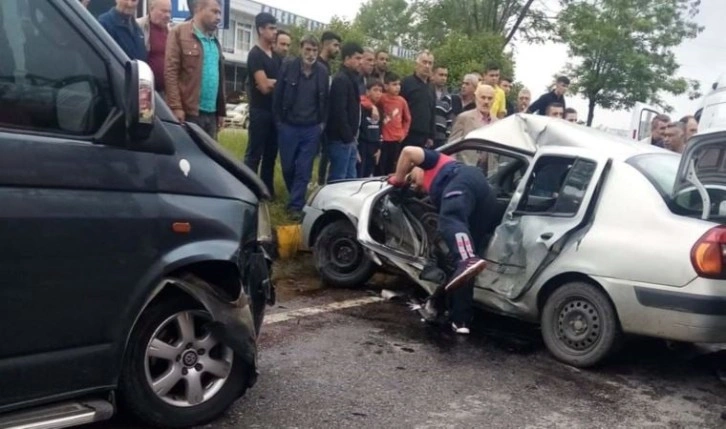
(140, 107)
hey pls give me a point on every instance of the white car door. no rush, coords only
(554, 201)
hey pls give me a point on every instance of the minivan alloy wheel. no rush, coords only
(185, 365)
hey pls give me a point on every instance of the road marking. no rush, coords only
(327, 308)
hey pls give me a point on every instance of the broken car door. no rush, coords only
(403, 230)
(550, 204)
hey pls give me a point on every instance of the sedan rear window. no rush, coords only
(661, 169)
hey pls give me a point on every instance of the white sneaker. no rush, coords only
(461, 330)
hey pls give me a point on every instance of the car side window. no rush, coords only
(51, 80)
(557, 185)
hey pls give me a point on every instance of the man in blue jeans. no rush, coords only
(467, 211)
(300, 105)
(344, 117)
(263, 65)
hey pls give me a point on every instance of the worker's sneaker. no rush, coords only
(466, 271)
(460, 329)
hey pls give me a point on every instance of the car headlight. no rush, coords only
(264, 224)
(313, 194)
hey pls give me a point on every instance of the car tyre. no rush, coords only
(340, 258)
(579, 325)
(140, 369)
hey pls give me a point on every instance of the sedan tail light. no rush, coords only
(708, 255)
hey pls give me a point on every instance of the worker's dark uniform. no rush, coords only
(467, 211)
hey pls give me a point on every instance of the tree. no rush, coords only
(507, 18)
(625, 49)
(462, 54)
(387, 21)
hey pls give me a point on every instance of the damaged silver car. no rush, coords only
(599, 237)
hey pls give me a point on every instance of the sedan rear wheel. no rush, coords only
(579, 325)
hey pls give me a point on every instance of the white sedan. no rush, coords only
(599, 236)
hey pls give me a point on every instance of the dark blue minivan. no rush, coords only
(134, 262)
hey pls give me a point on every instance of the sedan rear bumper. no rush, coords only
(695, 313)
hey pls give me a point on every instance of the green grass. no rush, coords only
(235, 140)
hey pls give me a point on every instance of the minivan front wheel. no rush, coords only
(175, 373)
(579, 325)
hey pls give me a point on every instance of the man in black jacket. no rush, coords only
(557, 95)
(344, 117)
(300, 106)
(421, 99)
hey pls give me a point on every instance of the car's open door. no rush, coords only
(641, 120)
(400, 234)
(554, 201)
(701, 180)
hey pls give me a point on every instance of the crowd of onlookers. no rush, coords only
(356, 120)
(672, 135)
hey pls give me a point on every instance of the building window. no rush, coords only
(243, 42)
(228, 37)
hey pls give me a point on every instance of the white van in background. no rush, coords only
(641, 120)
(712, 113)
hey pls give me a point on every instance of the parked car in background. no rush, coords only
(135, 273)
(599, 236)
(238, 116)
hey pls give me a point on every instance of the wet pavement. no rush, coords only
(378, 366)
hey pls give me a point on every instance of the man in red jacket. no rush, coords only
(466, 213)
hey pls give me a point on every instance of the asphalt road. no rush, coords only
(377, 366)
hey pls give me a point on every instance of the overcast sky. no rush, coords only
(703, 58)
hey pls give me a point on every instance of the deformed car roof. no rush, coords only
(526, 133)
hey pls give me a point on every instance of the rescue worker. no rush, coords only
(466, 208)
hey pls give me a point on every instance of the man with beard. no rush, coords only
(300, 105)
(381, 68)
(282, 44)
(330, 49)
